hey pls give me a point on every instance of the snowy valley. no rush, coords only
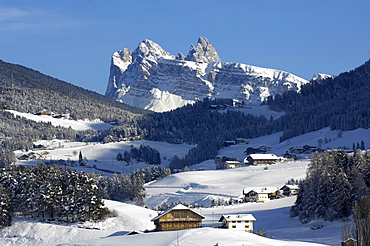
(194, 187)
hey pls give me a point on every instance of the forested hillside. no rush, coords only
(199, 124)
(26, 90)
(341, 103)
(337, 185)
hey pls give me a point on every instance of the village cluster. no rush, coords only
(181, 217)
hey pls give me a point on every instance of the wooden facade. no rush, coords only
(255, 159)
(178, 218)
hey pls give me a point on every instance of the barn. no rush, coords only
(178, 218)
(255, 159)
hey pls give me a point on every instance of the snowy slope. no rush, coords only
(30, 232)
(194, 237)
(77, 125)
(151, 78)
(201, 186)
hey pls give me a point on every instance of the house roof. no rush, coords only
(177, 207)
(236, 217)
(263, 156)
(292, 187)
(260, 190)
(232, 162)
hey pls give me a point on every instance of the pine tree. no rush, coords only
(5, 217)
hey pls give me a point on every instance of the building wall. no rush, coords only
(240, 225)
(173, 226)
(263, 197)
(178, 220)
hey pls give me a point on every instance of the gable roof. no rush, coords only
(236, 217)
(260, 190)
(263, 156)
(177, 207)
(292, 187)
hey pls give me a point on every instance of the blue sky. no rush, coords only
(73, 40)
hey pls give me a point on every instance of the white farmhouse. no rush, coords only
(241, 222)
(260, 194)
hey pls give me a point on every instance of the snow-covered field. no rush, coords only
(191, 187)
(77, 125)
(272, 216)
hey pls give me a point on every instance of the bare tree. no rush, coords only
(361, 216)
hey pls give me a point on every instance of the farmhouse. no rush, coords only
(231, 164)
(178, 218)
(255, 159)
(290, 190)
(260, 194)
(242, 222)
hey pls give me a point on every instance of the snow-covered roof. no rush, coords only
(177, 207)
(263, 156)
(232, 162)
(236, 217)
(260, 190)
(292, 187)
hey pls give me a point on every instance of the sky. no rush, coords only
(73, 40)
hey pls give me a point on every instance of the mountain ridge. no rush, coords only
(151, 78)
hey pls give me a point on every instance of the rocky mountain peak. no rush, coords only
(151, 78)
(149, 50)
(204, 52)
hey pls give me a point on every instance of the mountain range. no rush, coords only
(151, 78)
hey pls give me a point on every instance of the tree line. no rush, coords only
(49, 193)
(54, 193)
(340, 102)
(144, 153)
(334, 180)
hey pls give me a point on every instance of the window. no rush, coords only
(246, 226)
(233, 226)
(239, 221)
(233, 221)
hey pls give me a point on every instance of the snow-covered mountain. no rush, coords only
(151, 78)
(320, 77)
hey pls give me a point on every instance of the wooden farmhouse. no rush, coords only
(260, 194)
(241, 222)
(255, 159)
(289, 190)
(178, 218)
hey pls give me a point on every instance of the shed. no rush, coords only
(242, 222)
(178, 217)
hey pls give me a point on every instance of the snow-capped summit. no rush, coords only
(151, 78)
(320, 77)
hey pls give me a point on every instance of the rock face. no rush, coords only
(151, 78)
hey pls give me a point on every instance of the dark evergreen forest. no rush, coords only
(341, 103)
(55, 193)
(334, 181)
(200, 125)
